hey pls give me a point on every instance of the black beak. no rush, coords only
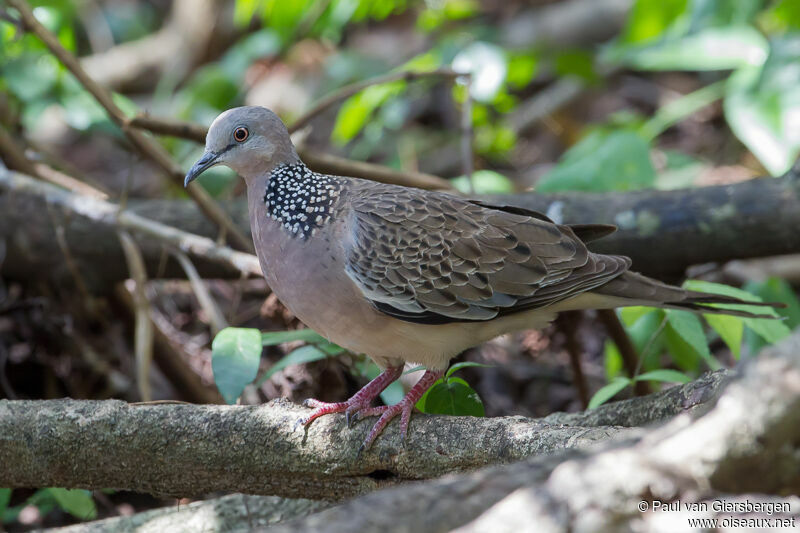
(207, 161)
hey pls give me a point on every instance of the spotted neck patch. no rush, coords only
(299, 199)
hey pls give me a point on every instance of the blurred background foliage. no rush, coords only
(680, 93)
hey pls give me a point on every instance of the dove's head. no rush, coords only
(250, 140)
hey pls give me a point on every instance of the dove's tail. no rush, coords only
(641, 290)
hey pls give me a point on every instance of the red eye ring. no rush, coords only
(241, 134)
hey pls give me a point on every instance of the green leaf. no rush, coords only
(601, 161)
(5, 497)
(235, 354)
(777, 290)
(720, 48)
(649, 19)
(484, 182)
(77, 502)
(762, 104)
(465, 364)
(770, 330)
(690, 329)
(451, 397)
(730, 330)
(664, 375)
(631, 315)
(414, 369)
(272, 338)
(608, 391)
(304, 354)
(681, 353)
(612, 359)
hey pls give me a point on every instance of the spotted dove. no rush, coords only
(406, 275)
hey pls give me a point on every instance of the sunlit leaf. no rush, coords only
(711, 49)
(664, 375)
(235, 354)
(612, 360)
(762, 106)
(484, 182)
(271, 338)
(690, 329)
(730, 330)
(608, 391)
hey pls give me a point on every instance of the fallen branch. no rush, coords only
(664, 232)
(112, 217)
(747, 444)
(193, 450)
(216, 515)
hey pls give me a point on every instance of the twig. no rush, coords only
(627, 350)
(109, 213)
(349, 90)
(324, 163)
(142, 143)
(203, 295)
(466, 131)
(143, 337)
(569, 320)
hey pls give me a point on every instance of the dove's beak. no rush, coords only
(208, 160)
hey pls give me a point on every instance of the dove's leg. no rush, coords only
(360, 400)
(402, 408)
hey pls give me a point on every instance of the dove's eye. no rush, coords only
(241, 134)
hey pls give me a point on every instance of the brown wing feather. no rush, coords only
(435, 258)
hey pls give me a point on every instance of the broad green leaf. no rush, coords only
(576, 63)
(304, 354)
(720, 48)
(777, 290)
(690, 329)
(608, 391)
(235, 354)
(649, 19)
(664, 375)
(466, 364)
(601, 161)
(680, 352)
(451, 397)
(770, 330)
(730, 330)
(612, 359)
(631, 315)
(762, 106)
(77, 502)
(484, 182)
(646, 333)
(271, 338)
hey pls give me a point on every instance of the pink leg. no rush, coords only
(403, 408)
(360, 400)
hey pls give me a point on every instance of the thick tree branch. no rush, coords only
(746, 444)
(664, 232)
(193, 450)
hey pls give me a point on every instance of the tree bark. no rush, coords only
(191, 450)
(744, 449)
(664, 232)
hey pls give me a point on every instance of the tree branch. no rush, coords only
(193, 450)
(746, 444)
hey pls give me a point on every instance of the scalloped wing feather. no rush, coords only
(435, 258)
